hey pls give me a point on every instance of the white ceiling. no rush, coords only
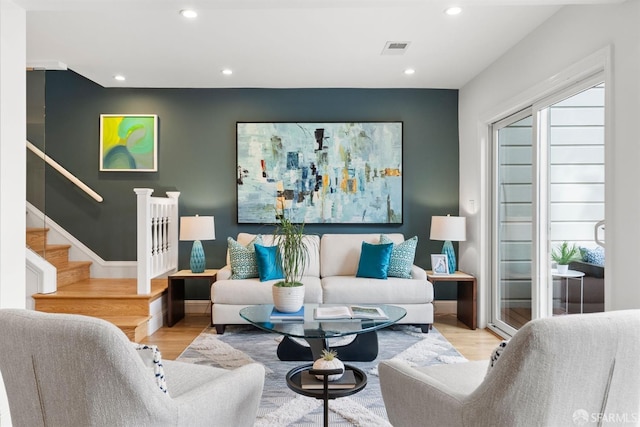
(278, 43)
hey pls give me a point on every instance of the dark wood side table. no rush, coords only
(175, 300)
(467, 295)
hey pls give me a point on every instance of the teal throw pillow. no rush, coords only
(244, 264)
(269, 263)
(374, 260)
(402, 257)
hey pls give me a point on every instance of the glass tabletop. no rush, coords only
(260, 316)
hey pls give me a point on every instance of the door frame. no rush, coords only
(598, 62)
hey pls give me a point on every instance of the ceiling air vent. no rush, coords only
(395, 48)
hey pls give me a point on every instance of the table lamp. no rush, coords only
(197, 228)
(449, 228)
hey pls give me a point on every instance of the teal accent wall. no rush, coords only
(197, 156)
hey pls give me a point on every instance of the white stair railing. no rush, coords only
(157, 236)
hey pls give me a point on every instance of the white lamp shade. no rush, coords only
(197, 228)
(452, 228)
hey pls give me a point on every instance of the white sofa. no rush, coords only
(330, 278)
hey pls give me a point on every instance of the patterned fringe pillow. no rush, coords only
(496, 354)
(152, 358)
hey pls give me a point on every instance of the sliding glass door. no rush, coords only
(515, 218)
(548, 188)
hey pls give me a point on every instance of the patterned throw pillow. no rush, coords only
(495, 355)
(402, 257)
(244, 264)
(593, 256)
(152, 359)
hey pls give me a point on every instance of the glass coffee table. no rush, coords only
(363, 348)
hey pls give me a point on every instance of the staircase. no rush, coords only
(114, 300)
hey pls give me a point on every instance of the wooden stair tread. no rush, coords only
(50, 247)
(106, 288)
(74, 264)
(37, 229)
(126, 321)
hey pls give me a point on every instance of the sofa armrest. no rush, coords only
(413, 395)
(224, 273)
(418, 273)
(231, 398)
(589, 269)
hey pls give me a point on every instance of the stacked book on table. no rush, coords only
(297, 316)
(310, 382)
(349, 312)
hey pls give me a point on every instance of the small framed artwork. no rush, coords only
(128, 142)
(439, 264)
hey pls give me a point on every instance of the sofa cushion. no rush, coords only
(253, 291)
(360, 290)
(269, 263)
(402, 256)
(340, 253)
(374, 260)
(243, 258)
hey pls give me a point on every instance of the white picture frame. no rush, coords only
(439, 264)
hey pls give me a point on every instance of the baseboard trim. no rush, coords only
(193, 306)
(445, 307)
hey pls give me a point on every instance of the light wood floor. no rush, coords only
(474, 345)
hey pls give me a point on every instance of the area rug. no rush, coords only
(280, 406)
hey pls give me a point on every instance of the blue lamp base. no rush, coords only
(197, 260)
(447, 249)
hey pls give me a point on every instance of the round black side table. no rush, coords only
(294, 383)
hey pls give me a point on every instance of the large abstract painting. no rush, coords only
(320, 173)
(129, 142)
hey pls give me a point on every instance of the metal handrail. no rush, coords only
(84, 187)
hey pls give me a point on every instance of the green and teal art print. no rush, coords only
(128, 142)
(320, 173)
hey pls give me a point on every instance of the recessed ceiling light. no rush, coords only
(453, 10)
(189, 13)
(119, 77)
(227, 72)
(409, 71)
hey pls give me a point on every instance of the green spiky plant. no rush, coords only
(565, 253)
(291, 249)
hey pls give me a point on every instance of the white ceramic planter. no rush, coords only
(288, 299)
(329, 364)
(563, 268)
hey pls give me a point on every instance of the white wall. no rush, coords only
(12, 154)
(12, 165)
(571, 35)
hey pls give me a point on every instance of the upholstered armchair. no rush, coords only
(71, 370)
(559, 371)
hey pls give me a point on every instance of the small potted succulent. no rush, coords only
(288, 294)
(563, 255)
(329, 361)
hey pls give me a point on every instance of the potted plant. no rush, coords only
(288, 294)
(563, 255)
